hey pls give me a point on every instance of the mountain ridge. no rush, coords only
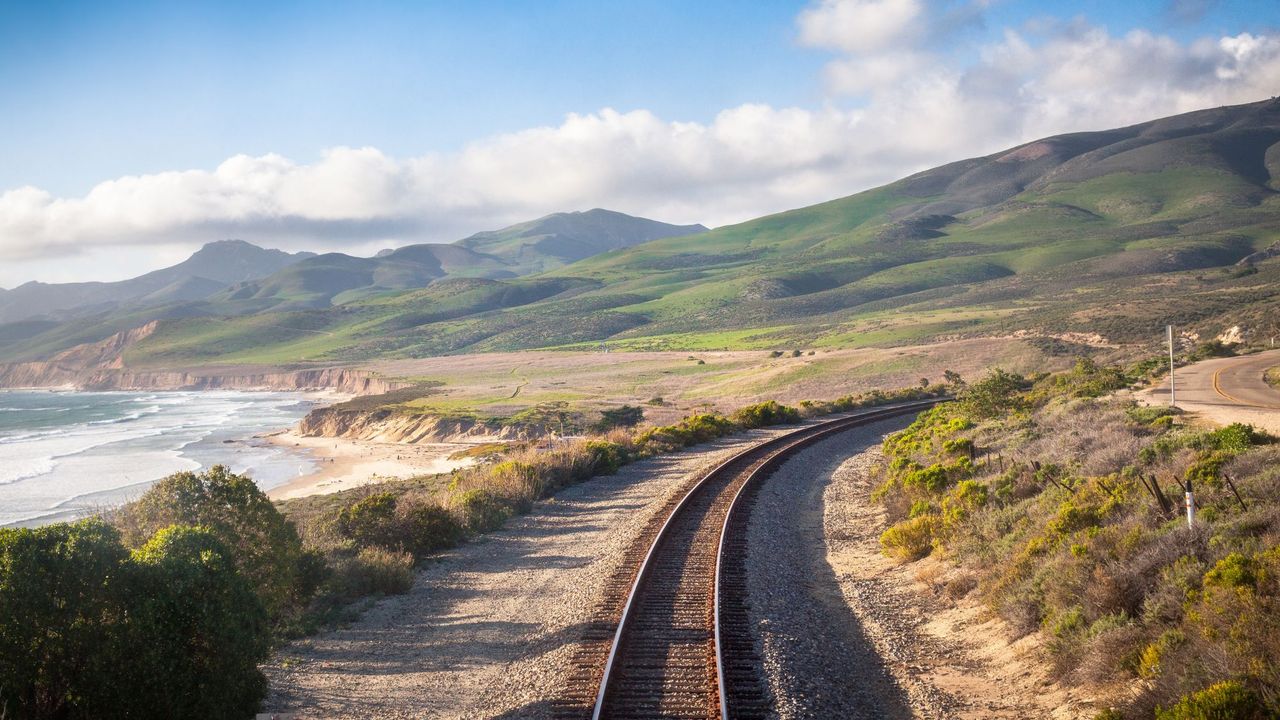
(221, 262)
(1027, 240)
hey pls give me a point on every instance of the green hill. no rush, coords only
(210, 269)
(562, 238)
(1105, 234)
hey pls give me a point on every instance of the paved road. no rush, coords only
(1227, 390)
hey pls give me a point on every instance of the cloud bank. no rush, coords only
(896, 105)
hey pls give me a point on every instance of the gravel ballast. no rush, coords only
(842, 631)
(488, 628)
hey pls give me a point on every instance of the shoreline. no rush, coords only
(66, 454)
(344, 463)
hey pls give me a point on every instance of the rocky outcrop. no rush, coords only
(1267, 253)
(390, 425)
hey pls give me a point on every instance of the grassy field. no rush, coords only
(670, 385)
(1272, 377)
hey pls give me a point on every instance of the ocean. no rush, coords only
(66, 454)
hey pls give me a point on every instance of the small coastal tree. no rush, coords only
(264, 545)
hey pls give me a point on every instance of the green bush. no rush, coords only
(996, 394)
(426, 527)
(371, 521)
(910, 539)
(1207, 471)
(482, 510)
(1087, 379)
(266, 546)
(199, 631)
(625, 416)
(765, 414)
(933, 479)
(607, 457)
(1228, 700)
(1236, 438)
(88, 630)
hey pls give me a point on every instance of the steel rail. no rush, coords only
(769, 455)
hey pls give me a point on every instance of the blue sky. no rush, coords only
(98, 91)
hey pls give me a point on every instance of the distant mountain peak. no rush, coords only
(561, 238)
(215, 265)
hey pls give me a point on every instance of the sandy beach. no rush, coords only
(344, 463)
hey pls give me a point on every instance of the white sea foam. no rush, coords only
(120, 442)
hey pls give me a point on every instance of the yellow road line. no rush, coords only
(1217, 387)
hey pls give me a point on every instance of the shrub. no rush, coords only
(625, 416)
(996, 394)
(1236, 438)
(426, 527)
(765, 414)
(370, 521)
(1087, 379)
(61, 590)
(200, 632)
(1228, 700)
(958, 446)
(265, 546)
(1210, 349)
(910, 539)
(481, 510)
(607, 456)
(88, 630)
(933, 479)
(1207, 472)
(373, 571)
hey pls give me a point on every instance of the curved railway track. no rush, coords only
(671, 638)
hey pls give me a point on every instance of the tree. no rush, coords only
(88, 630)
(625, 416)
(994, 395)
(60, 613)
(198, 630)
(265, 546)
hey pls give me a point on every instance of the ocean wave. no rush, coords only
(35, 467)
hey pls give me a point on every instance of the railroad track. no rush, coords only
(671, 637)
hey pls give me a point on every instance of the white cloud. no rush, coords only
(914, 110)
(859, 26)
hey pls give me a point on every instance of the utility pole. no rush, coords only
(1172, 403)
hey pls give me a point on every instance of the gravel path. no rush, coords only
(845, 632)
(488, 628)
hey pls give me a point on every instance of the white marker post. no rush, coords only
(1191, 505)
(1172, 403)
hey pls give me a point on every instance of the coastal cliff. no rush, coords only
(101, 366)
(388, 425)
(52, 374)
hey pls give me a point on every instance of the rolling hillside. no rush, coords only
(210, 269)
(562, 238)
(1102, 237)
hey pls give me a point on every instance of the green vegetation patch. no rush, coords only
(1064, 505)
